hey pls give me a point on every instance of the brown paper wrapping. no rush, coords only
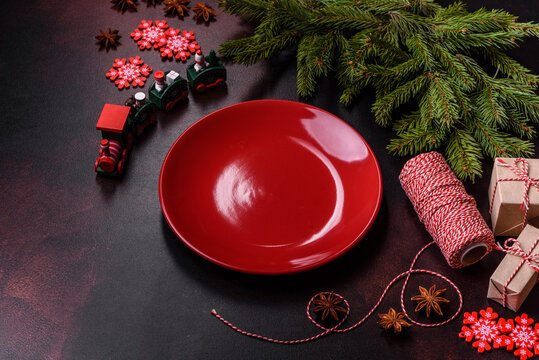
(523, 281)
(506, 214)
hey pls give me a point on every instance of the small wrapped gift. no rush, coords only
(513, 194)
(517, 273)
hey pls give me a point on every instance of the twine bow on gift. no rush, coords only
(522, 174)
(527, 257)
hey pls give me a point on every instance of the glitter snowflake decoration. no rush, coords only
(150, 34)
(179, 45)
(482, 330)
(125, 73)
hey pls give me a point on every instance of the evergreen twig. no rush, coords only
(409, 51)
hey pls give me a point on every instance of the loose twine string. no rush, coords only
(335, 329)
(450, 216)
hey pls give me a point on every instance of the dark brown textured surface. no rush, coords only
(89, 269)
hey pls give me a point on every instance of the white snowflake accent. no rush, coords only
(125, 73)
(179, 45)
(523, 336)
(485, 329)
(148, 35)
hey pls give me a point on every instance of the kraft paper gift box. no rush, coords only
(506, 197)
(523, 280)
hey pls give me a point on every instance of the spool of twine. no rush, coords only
(449, 214)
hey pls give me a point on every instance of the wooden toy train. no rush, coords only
(120, 124)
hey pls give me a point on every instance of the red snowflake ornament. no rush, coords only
(521, 338)
(483, 329)
(518, 335)
(150, 34)
(179, 45)
(125, 73)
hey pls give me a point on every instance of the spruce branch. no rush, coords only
(413, 52)
(464, 154)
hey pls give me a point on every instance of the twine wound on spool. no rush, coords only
(449, 214)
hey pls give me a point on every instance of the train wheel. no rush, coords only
(170, 105)
(96, 164)
(130, 141)
(201, 88)
(139, 130)
(121, 167)
(220, 82)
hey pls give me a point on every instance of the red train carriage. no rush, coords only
(117, 140)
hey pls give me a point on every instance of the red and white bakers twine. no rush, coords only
(450, 216)
(335, 329)
(443, 206)
(522, 174)
(527, 257)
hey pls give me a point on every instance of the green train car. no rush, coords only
(167, 89)
(206, 72)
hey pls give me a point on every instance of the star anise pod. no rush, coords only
(430, 300)
(204, 12)
(393, 320)
(176, 7)
(124, 5)
(108, 39)
(153, 2)
(328, 304)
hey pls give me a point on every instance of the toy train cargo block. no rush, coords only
(206, 72)
(167, 89)
(142, 113)
(117, 140)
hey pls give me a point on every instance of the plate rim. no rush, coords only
(304, 268)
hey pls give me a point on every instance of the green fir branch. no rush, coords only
(410, 52)
(463, 154)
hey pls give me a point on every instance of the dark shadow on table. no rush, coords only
(330, 277)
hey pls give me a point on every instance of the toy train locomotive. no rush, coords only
(120, 124)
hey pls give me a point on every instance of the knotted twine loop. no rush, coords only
(522, 174)
(336, 328)
(449, 214)
(527, 257)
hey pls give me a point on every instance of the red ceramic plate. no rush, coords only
(270, 187)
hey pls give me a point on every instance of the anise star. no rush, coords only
(203, 11)
(328, 304)
(176, 7)
(430, 300)
(124, 5)
(108, 39)
(393, 320)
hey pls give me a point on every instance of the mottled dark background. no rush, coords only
(89, 269)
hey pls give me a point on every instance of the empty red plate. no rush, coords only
(270, 187)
